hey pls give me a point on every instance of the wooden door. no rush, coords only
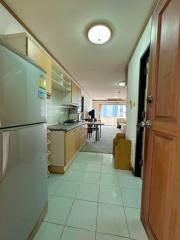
(161, 186)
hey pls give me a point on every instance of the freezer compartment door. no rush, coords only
(23, 180)
(22, 93)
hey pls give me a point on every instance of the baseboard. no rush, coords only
(39, 221)
(56, 169)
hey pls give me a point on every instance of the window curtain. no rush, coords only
(99, 109)
(113, 111)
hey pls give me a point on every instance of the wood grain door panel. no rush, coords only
(160, 193)
(70, 146)
(167, 62)
(160, 212)
(74, 140)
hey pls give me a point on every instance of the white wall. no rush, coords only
(55, 110)
(133, 85)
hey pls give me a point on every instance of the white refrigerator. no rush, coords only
(23, 144)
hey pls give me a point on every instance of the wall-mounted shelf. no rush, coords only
(60, 87)
(60, 80)
(57, 77)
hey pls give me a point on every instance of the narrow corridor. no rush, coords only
(93, 201)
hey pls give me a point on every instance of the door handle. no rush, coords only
(4, 155)
(144, 124)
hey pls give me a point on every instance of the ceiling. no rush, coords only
(61, 26)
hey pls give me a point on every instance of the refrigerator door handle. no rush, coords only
(5, 155)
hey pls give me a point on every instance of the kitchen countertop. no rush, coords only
(65, 127)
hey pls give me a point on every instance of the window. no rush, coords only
(113, 111)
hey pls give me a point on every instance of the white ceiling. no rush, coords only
(61, 26)
(8, 24)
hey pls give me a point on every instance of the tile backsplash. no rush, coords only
(55, 111)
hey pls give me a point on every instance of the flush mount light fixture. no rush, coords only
(121, 84)
(99, 34)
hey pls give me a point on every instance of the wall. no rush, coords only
(133, 83)
(88, 104)
(56, 112)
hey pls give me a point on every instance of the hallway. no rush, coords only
(92, 201)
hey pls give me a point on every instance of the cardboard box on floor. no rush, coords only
(122, 152)
(116, 140)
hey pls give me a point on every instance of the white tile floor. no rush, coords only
(93, 201)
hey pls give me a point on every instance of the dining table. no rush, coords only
(97, 125)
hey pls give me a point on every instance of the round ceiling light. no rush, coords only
(121, 83)
(99, 34)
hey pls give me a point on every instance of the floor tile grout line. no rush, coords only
(114, 235)
(71, 197)
(73, 200)
(85, 229)
(62, 233)
(79, 228)
(124, 212)
(78, 181)
(123, 207)
(69, 212)
(106, 203)
(98, 204)
(58, 224)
